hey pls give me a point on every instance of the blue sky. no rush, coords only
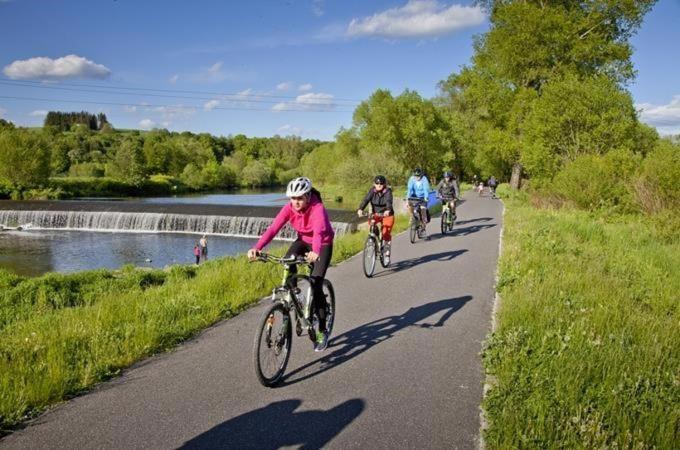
(262, 67)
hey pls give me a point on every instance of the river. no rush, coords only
(148, 240)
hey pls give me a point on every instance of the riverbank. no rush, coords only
(61, 334)
(586, 352)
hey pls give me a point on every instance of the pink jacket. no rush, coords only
(312, 224)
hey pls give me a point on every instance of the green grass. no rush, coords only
(62, 333)
(587, 349)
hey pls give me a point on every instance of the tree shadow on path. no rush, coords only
(277, 425)
(355, 342)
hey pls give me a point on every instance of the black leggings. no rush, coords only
(300, 247)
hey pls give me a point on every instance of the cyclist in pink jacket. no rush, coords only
(308, 216)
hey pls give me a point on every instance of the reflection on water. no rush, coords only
(249, 197)
(272, 199)
(36, 252)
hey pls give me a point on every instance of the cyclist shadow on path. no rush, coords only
(355, 342)
(479, 219)
(303, 429)
(463, 231)
(398, 266)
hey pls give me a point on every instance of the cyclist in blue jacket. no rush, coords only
(419, 188)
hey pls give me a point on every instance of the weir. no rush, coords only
(117, 216)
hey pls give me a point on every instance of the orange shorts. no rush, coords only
(387, 224)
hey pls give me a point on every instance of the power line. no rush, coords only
(303, 107)
(238, 95)
(242, 99)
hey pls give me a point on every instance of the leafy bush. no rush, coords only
(592, 182)
(658, 187)
(95, 170)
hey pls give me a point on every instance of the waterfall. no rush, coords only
(149, 222)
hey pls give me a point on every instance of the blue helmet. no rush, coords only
(448, 174)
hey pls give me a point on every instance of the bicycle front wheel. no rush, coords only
(369, 256)
(413, 231)
(271, 348)
(445, 222)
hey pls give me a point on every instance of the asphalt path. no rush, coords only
(402, 370)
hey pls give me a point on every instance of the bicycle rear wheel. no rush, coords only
(370, 251)
(271, 348)
(384, 260)
(329, 294)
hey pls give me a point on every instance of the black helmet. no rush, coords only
(418, 171)
(448, 174)
(380, 179)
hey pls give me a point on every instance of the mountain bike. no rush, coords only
(448, 215)
(291, 302)
(375, 247)
(417, 227)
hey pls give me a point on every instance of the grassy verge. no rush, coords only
(60, 334)
(586, 353)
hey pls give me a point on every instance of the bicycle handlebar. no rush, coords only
(291, 260)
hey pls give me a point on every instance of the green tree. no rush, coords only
(408, 127)
(128, 163)
(256, 173)
(24, 158)
(573, 117)
(531, 45)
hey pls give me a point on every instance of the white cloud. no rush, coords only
(70, 66)
(146, 124)
(285, 86)
(38, 113)
(417, 19)
(166, 124)
(311, 101)
(130, 109)
(317, 7)
(173, 112)
(666, 118)
(210, 105)
(305, 87)
(215, 69)
(213, 73)
(289, 129)
(173, 79)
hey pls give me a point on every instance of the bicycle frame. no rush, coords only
(375, 230)
(416, 206)
(287, 292)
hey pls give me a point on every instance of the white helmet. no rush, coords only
(298, 186)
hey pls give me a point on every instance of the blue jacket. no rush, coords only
(418, 188)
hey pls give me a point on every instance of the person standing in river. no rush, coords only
(197, 253)
(204, 247)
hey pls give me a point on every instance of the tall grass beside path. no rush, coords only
(62, 333)
(587, 349)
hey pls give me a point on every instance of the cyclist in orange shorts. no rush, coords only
(380, 197)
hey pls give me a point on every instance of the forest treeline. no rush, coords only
(543, 103)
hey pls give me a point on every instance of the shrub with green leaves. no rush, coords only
(593, 181)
